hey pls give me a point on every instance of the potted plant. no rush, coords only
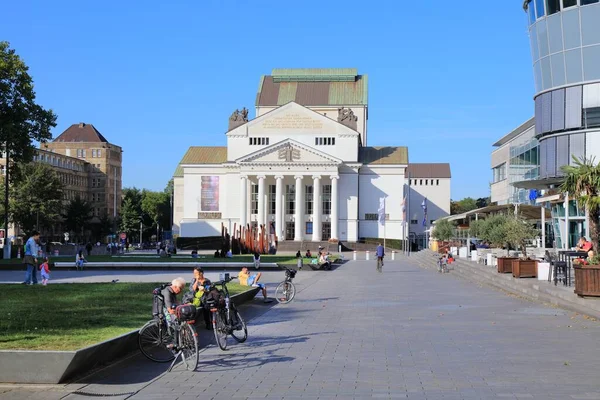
(518, 232)
(587, 277)
(582, 183)
(493, 230)
(443, 230)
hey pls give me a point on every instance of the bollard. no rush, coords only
(354, 257)
(393, 255)
(367, 253)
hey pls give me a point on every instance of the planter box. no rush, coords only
(474, 256)
(587, 280)
(505, 264)
(524, 268)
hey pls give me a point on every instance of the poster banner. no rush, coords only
(209, 193)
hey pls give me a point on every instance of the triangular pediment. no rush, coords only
(289, 151)
(292, 119)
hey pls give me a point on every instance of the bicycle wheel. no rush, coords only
(240, 334)
(188, 340)
(153, 342)
(220, 329)
(285, 292)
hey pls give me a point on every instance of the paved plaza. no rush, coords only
(352, 333)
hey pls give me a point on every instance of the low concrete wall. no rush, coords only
(165, 265)
(39, 366)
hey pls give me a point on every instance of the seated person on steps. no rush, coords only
(324, 261)
(252, 280)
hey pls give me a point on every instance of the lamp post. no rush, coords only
(141, 230)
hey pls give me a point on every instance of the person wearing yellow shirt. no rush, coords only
(252, 280)
(197, 288)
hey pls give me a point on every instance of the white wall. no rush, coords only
(178, 204)
(500, 192)
(438, 201)
(376, 182)
(592, 145)
(348, 204)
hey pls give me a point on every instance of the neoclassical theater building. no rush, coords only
(303, 169)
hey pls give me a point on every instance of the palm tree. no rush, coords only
(582, 182)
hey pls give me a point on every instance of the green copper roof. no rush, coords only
(314, 74)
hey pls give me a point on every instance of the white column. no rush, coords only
(316, 236)
(334, 207)
(543, 244)
(299, 204)
(261, 200)
(243, 200)
(278, 208)
(566, 238)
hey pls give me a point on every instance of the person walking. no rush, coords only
(45, 271)
(30, 258)
(88, 248)
(380, 253)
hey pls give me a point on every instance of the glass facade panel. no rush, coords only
(557, 62)
(539, 8)
(326, 199)
(569, 3)
(573, 63)
(254, 199)
(531, 11)
(591, 60)
(591, 117)
(576, 146)
(590, 30)
(542, 32)
(499, 173)
(586, 2)
(562, 153)
(553, 6)
(551, 156)
(558, 110)
(571, 35)
(573, 108)
(524, 165)
(272, 198)
(308, 199)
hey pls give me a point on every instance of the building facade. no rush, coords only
(515, 159)
(301, 167)
(429, 183)
(88, 166)
(565, 48)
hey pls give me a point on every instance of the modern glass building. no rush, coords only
(565, 49)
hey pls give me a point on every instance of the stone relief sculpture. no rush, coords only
(238, 118)
(346, 116)
(289, 154)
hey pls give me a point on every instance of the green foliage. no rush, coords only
(77, 216)
(476, 228)
(494, 230)
(131, 210)
(156, 206)
(582, 183)
(22, 120)
(518, 232)
(443, 230)
(38, 195)
(468, 204)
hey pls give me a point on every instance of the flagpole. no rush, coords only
(408, 219)
(384, 222)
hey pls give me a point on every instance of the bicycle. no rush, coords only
(286, 290)
(226, 319)
(379, 264)
(162, 343)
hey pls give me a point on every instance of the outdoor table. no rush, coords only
(567, 256)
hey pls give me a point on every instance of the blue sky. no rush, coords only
(446, 78)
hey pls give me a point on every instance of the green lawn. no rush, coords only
(72, 316)
(287, 260)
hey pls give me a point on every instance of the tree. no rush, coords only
(37, 200)
(102, 228)
(483, 202)
(443, 230)
(153, 204)
(476, 228)
(494, 230)
(518, 232)
(462, 206)
(77, 216)
(131, 210)
(582, 183)
(22, 120)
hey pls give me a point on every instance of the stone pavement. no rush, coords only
(407, 333)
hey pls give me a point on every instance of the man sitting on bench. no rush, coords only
(252, 280)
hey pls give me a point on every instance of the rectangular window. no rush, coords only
(93, 153)
(539, 8)
(553, 6)
(290, 199)
(437, 182)
(425, 182)
(326, 199)
(309, 228)
(591, 117)
(99, 153)
(272, 198)
(308, 199)
(569, 3)
(254, 199)
(499, 173)
(414, 222)
(531, 13)
(421, 182)
(586, 2)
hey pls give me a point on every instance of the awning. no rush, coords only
(525, 210)
(539, 184)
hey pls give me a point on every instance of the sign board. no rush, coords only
(209, 193)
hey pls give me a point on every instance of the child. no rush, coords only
(80, 260)
(256, 260)
(45, 270)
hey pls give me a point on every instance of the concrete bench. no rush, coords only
(166, 265)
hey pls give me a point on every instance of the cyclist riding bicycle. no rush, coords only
(380, 253)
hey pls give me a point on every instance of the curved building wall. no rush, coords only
(565, 48)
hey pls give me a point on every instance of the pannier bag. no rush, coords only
(186, 312)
